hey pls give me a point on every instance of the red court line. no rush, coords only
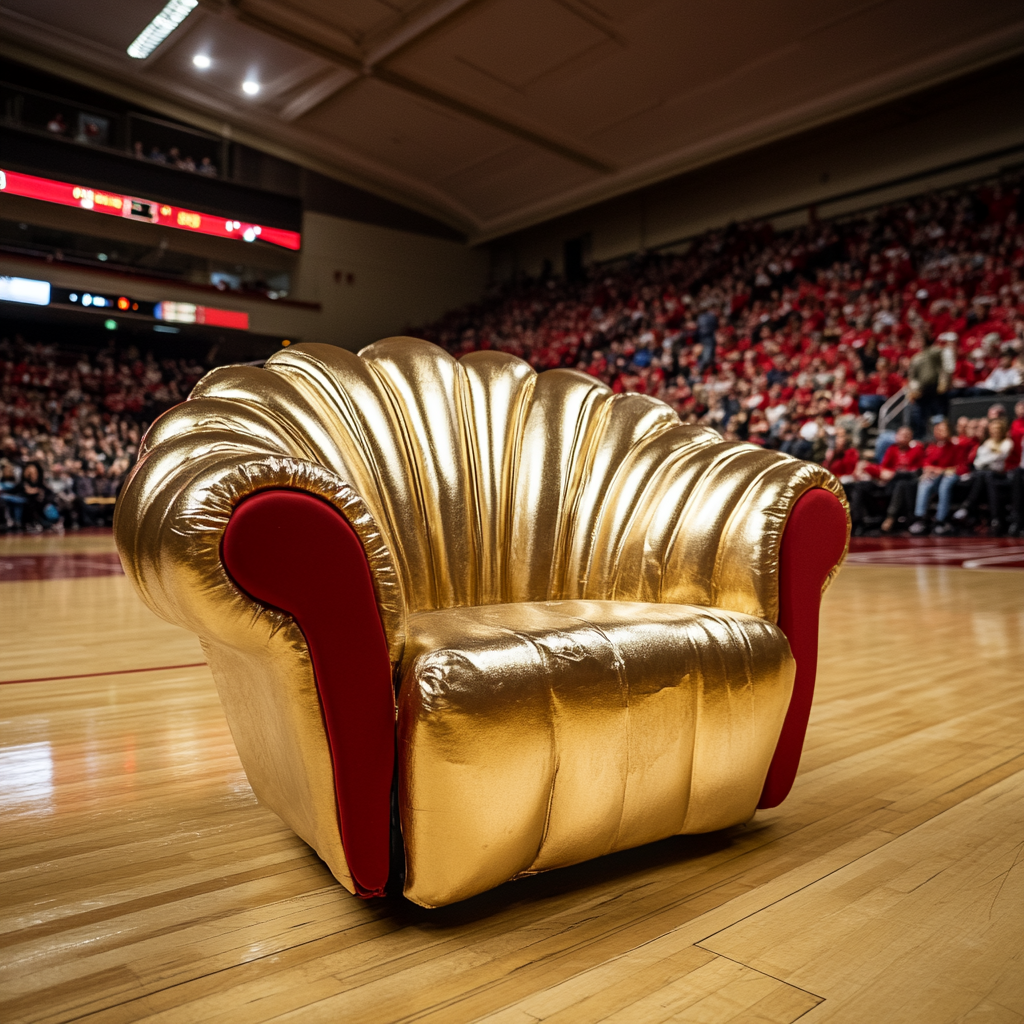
(118, 672)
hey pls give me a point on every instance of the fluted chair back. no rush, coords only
(493, 484)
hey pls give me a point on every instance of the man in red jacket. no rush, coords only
(902, 461)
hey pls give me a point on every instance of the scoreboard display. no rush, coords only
(66, 193)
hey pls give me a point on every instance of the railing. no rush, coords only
(59, 116)
(892, 407)
(129, 132)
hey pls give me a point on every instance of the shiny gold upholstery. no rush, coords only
(578, 593)
(545, 733)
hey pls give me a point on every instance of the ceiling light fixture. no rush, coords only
(173, 14)
(201, 61)
(250, 88)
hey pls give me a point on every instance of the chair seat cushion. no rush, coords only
(537, 735)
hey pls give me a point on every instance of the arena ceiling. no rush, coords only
(496, 114)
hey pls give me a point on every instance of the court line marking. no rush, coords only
(117, 672)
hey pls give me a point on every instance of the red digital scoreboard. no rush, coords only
(67, 194)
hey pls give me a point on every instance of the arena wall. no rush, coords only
(944, 136)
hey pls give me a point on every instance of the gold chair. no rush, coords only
(470, 622)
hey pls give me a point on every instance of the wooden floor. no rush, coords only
(140, 880)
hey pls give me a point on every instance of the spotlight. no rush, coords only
(173, 14)
(201, 61)
(250, 88)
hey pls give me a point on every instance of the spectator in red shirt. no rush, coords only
(879, 386)
(842, 458)
(937, 474)
(1017, 435)
(1015, 524)
(903, 459)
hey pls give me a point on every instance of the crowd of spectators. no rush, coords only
(796, 340)
(174, 157)
(70, 425)
(790, 340)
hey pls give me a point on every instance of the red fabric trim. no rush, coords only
(297, 553)
(812, 545)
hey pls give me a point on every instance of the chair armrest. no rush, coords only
(765, 534)
(728, 525)
(280, 569)
(813, 545)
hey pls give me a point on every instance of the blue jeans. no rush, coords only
(13, 504)
(926, 488)
(885, 440)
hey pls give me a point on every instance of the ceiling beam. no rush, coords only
(519, 131)
(318, 47)
(526, 133)
(315, 94)
(413, 29)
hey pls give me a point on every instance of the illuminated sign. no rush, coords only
(92, 300)
(39, 293)
(24, 289)
(190, 313)
(67, 194)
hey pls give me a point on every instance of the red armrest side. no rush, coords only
(812, 544)
(297, 553)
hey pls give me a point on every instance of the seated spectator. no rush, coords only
(62, 486)
(902, 461)
(843, 459)
(989, 472)
(1017, 431)
(937, 475)
(11, 502)
(879, 386)
(1004, 376)
(792, 443)
(38, 512)
(57, 124)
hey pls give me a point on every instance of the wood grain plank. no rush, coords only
(140, 879)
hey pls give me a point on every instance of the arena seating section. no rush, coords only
(777, 338)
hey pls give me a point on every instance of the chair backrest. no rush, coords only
(493, 483)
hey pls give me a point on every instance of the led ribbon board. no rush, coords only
(190, 313)
(66, 194)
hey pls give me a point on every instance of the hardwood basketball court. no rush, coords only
(140, 879)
